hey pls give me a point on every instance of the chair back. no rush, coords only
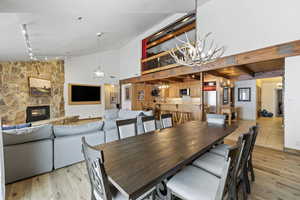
(127, 128)
(254, 131)
(166, 120)
(149, 123)
(215, 119)
(95, 166)
(233, 162)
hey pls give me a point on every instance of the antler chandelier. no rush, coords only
(196, 54)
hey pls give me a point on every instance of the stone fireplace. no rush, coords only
(15, 92)
(37, 113)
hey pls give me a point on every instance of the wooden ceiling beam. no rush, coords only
(269, 53)
(216, 73)
(246, 70)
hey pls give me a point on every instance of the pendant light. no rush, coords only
(98, 73)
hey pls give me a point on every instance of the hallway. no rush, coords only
(271, 133)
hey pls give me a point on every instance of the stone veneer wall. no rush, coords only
(14, 89)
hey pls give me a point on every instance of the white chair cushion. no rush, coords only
(167, 122)
(212, 163)
(193, 183)
(149, 126)
(216, 119)
(116, 195)
(127, 131)
(220, 149)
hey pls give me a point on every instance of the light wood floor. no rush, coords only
(277, 177)
(270, 135)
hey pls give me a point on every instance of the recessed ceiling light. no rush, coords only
(79, 18)
(99, 34)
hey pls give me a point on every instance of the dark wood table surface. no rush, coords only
(136, 164)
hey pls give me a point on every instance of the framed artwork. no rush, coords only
(225, 95)
(127, 93)
(141, 95)
(113, 98)
(244, 94)
(39, 87)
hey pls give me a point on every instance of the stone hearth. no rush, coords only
(14, 87)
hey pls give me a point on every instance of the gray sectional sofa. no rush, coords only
(40, 149)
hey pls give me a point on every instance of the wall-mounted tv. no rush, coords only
(84, 94)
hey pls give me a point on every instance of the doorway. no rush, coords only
(270, 112)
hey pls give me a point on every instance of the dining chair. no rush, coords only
(101, 189)
(214, 163)
(95, 166)
(166, 120)
(127, 128)
(255, 130)
(247, 158)
(216, 119)
(149, 123)
(193, 183)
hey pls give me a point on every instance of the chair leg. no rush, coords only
(244, 190)
(251, 169)
(246, 180)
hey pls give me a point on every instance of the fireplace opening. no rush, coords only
(37, 113)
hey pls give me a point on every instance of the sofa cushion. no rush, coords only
(111, 135)
(27, 160)
(69, 130)
(19, 136)
(111, 114)
(129, 114)
(67, 150)
(109, 124)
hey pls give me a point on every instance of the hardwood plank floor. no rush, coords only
(277, 177)
(270, 134)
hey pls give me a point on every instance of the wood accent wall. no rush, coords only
(148, 98)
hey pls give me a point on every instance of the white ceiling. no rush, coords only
(55, 31)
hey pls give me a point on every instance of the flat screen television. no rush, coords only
(84, 94)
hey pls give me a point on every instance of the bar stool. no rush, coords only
(184, 117)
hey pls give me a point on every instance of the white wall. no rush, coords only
(126, 104)
(292, 103)
(79, 70)
(247, 109)
(268, 96)
(244, 25)
(131, 54)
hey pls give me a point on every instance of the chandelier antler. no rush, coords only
(196, 54)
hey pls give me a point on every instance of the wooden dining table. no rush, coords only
(136, 164)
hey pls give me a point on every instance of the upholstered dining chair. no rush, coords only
(149, 123)
(214, 163)
(193, 183)
(101, 189)
(216, 119)
(166, 120)
(247, 157)
(127, 128)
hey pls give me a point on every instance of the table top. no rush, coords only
(136, 164)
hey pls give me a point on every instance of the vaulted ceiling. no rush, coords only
(54, 28)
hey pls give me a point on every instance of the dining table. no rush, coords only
(136, 164)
